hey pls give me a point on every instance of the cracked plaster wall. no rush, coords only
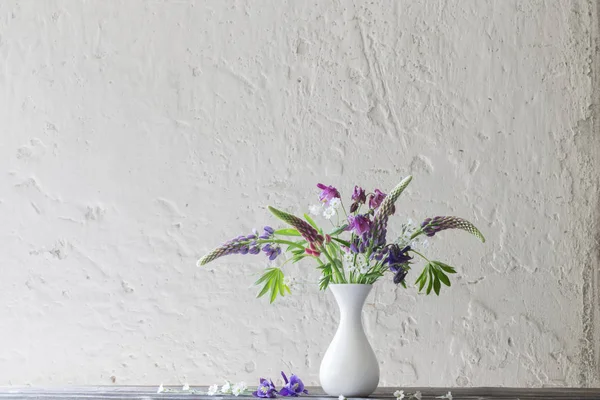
(136, 135)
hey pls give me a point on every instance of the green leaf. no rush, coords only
(430, 281)
(310, 221)
(344, 242)
(297, 258)
(422, 277)
(443, 277)
(436, 285)
(445, 267)
(287, 232)
(281, 288)
(325, 267)
(324, 282)
(274, 292)
(265, 289)
(423, 281)
(264, 277)
(277, 281)
(339, 230)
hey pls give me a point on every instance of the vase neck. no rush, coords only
(350, 299)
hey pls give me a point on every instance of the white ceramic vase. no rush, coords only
(350, 367)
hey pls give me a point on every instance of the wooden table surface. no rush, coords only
(175, 393)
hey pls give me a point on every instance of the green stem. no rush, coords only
(334, 265)
(279, 241)
(416, 233)
(343, 208)
(419, 254)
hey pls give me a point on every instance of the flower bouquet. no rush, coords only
(353, 251)
(351, 256)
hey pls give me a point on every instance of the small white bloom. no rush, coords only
(335, 203)
(160, 389)
(288, 281)
(329, 212)
(417, 395)
(399, 394)
(239, 388)
(315, 209)
(212, 390)
(446, 396)
(341, 397)
(185, 387)
(226, 388)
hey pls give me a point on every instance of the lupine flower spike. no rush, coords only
(431, 226)
(306, 230)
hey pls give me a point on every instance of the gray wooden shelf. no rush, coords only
(149, 393)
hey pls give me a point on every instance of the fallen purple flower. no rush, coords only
(266, 389)
(293, 387)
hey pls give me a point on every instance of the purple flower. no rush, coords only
(376, 199)
(400, 275)
(398, 258)
(328, 193)
(268, 234)
(293, 387)
(254, 250)
(360, 224)
(272, 251)
(359, 195)
(266, 389)
(431, 226)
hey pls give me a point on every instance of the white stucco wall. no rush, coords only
(136, 135)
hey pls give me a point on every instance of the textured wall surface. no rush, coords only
(136, 135)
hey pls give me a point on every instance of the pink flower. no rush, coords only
(359, 224)
(376, 199)
(328, 193)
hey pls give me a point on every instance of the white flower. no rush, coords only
(335, 203)
(329, 212)
(341, 397)
(446, 396)
(399, 394)
(239, 388)
(212, 390)
(315, 209)
(160, 389)
(185, 387)
(226, 388)
(417, 395)
(288, 281)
